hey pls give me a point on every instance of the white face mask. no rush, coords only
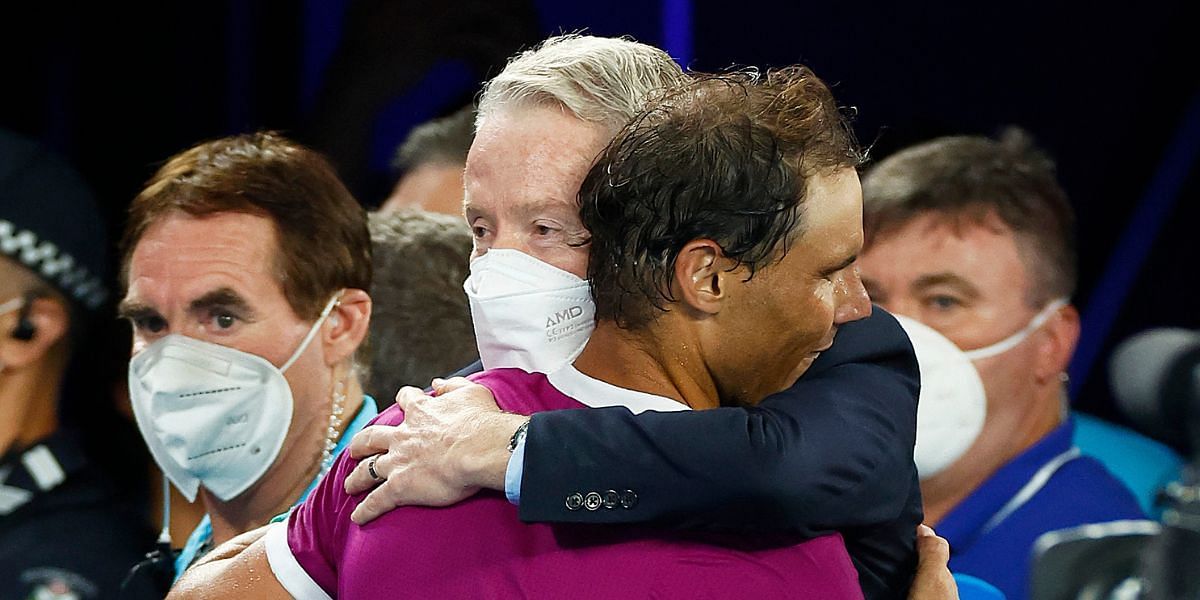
(212, 415)
(953, 401)
(527, 314)
(952, 405)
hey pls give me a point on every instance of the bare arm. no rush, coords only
(234, 569)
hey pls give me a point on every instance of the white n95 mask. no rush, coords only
(953, 404)
(212, 415)
(527, 314)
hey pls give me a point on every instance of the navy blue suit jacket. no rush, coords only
(831, 453)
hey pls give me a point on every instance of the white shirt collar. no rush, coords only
(598, 394)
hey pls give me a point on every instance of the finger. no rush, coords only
(933, 550)
(360, 479)
(379, 501)
(407, 396)
(371, 440)
(454, 383)
(924, 530)
(437, 386)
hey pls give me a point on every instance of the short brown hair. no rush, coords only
(725, 157)
(969, 179)
(324, 245)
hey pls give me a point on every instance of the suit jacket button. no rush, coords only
(611, 499)
(629, 499)
(592, 501)
(574, 501)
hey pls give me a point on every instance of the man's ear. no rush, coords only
(1061, 334)
(51, 320)
(346, 327)
(701, 274)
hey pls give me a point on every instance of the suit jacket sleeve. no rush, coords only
(834, 451)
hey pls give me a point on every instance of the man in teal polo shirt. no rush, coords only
(246, 267)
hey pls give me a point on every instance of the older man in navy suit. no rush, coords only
(832, 453)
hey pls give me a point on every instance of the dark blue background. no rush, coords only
(1113, 94)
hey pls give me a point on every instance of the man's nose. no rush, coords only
(853, 301)
(511, 241)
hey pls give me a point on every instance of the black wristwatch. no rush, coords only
(518, 436)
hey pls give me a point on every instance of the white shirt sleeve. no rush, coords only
(286, 568)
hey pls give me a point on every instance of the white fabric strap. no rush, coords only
(1011, 341)
(286, 568)
(44, 468)
(312, 332)
(11, 305)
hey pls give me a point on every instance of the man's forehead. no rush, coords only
(195, 255)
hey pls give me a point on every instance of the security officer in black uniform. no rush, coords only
(63, 530)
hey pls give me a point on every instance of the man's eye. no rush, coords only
(943, 302)
(543, 229)
(150, 324)
(479, 231)
(224, 320)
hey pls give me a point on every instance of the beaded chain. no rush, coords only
(335, 423)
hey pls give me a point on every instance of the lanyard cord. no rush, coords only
(164, 536)
(1032, 487)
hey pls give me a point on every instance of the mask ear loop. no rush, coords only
(1011, 341)
(312, 333)
(14, 304)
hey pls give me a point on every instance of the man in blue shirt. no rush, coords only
(973, 237)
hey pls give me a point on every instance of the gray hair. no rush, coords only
(600, 80)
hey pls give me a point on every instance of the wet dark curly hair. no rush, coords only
(726, 157)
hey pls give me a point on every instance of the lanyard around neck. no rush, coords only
(1031, 488)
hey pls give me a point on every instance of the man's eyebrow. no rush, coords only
(223, 297)
(945, 278)
(132, 309)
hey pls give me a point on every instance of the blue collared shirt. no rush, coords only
(991, 535)
(203, 532)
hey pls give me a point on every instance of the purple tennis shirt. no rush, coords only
(480, 549)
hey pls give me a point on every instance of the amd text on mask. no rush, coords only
(527, 314)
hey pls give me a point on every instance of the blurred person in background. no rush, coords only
(246, 264)
(65, 528)
(974, 238)
(420, 321)
(430, 163)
